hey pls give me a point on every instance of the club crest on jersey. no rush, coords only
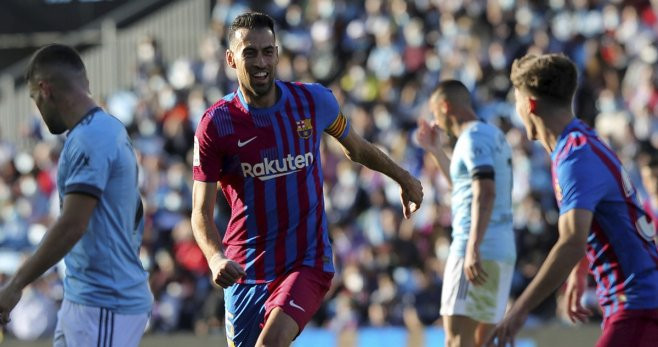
(304, 128)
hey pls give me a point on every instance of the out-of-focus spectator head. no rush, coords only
(648, 162)
(253, 53)
(54, 71)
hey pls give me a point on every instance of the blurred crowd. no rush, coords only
(381, 59)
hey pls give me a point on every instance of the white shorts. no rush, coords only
(485, 303)
(87, 326)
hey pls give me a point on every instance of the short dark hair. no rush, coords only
(452, 90)
(250, 20)
(54, 54)
(547, 76)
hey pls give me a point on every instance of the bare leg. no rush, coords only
(482, 333)
(460, 331)
(279, 330)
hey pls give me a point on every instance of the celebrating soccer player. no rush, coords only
(600, 215)
(261, 143)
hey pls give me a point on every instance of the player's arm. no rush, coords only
(429, 139)
(569, 249)
(225, 272)
(359, 150)
(484, 193)
(57, 242)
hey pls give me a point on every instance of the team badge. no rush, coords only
(304, 128)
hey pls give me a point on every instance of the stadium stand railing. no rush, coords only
(178, 27)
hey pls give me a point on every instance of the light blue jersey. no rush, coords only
(103, 268)
(480, 148)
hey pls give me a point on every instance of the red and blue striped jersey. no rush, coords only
(622, 255)
(267, 161)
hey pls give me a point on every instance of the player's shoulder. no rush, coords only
(96, 126)
(314, 88)
(221, 106)
(575, 143)
(481, 131)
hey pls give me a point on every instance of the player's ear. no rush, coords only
(230, 58)
(444, 106)
(45, 89)
(533, 104)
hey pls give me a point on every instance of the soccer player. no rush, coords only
(600, 215)
(261, 143)
(478, 271)
(98, 233)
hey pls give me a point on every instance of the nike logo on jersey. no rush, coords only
(292, 303)
(242, 144)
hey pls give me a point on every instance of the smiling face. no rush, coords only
(254, 55)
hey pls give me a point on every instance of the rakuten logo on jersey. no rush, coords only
(268, 169)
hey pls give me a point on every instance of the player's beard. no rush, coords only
(52, 119)
(262, 89)
(256, 88)
(55, 125)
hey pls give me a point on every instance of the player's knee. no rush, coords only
(459, 340)
(276, 338)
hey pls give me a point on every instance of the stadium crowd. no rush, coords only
(381, 59)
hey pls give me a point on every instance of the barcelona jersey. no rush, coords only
(267, 161)
(622, 256)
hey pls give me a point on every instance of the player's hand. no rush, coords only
(225, 271)
(507, 329)
(9, 297)
(411, 195)
(428, 135)
(473, 266)
(575, 289)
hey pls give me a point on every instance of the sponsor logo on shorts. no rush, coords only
(292, 303)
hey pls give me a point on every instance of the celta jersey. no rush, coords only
(103, 268)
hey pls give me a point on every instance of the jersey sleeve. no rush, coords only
(207, 160)
(478, 155)
(580, 178)
(330, 119)
(88, 169)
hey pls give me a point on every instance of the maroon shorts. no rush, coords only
(632, 328)
(299, 293)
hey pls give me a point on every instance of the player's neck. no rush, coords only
(467, 120)
(77, 108)
(553, 126)
(265, 101)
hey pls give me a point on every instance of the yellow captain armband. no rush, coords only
(339, 127)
